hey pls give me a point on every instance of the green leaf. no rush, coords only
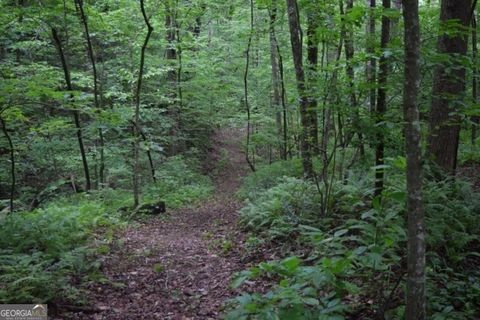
(291, 263)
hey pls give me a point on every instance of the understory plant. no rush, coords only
(43, 252)
(353, 262)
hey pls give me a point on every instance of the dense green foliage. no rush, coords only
(106, 102)
(46, 253)
(355, 254)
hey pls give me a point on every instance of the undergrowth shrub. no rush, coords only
(267, 176)
(357, 253)
(43, 250)
(452, 213)
(278, 211)
(179, 182)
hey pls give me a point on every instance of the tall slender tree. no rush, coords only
(415, 304)
(475, 119)
(350, 71)
(245, 88)
(91, 56)
(312, 63)
(171, 54)
(306, 141)
(136, 127)
(277, 83)
(12, 161)
(382, 101)
(370, 48)
(76, 113)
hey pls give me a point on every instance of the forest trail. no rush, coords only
(178, 266)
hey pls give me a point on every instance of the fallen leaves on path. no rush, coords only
(177, 266)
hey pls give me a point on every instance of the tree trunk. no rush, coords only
(448, 88)
(95, 87)
(306, 146)
(415, 304)
(76, 115)
(382, 102)
(475, 119)
(349, 54)
(136, 127)
(372, 63)
(172, 75)
(245, 90)
(312, 62)
(12, 163)
(276, 82)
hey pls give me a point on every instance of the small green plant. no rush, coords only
(302, 292)
(227, 246)
(158, 268)
(207, 235)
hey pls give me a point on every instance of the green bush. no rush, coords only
(267, 176)
(278, 211)
(362, 239)
(301, 292)
(179, 183)
(452, 211)
(40, 251)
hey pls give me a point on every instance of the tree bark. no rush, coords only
(415, 304)
(136, 127)
(76, 115)
(276, 82)
(448, 88)
(95, 87)
(172, 74)
(372, 63)
(382, 102)
(349, 54)
(306, 147)
(475, 119)
(12, 163)
(312, 63)
(245, 89)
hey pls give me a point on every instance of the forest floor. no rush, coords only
(178, 265)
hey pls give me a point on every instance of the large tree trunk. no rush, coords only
(76, 115)
(306, 147)
(382, 103)
(449, 88)
(415, 305)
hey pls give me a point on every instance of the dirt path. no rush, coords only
(179, 267)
